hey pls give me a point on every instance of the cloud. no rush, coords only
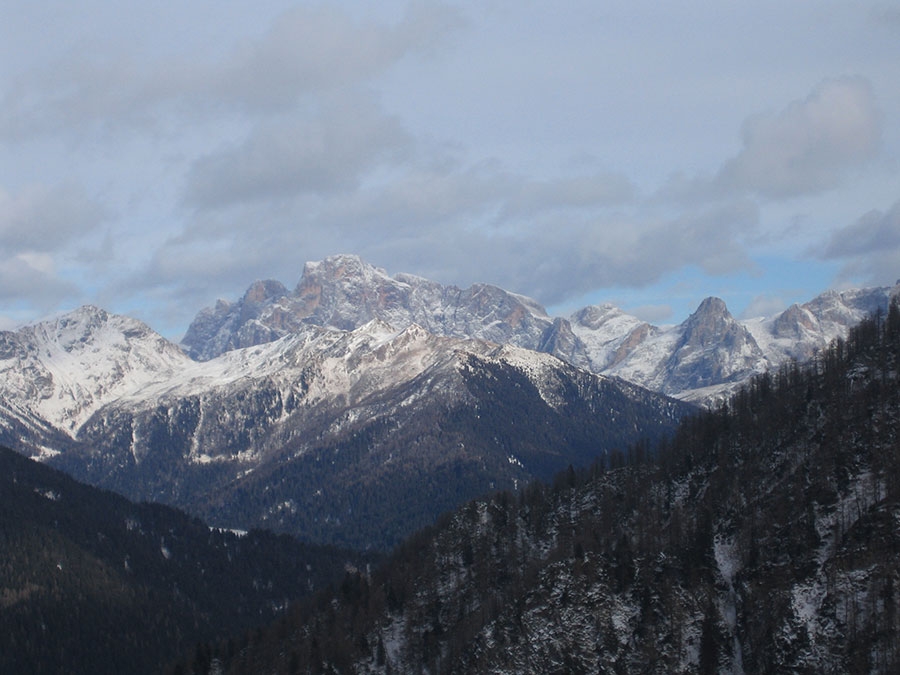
(810, 145)
(554, 256)
(307, 50)
(32, 279)
(575, 192)
(651, 313)
(38, 225)
(869, 247)
(330, 151)
(318, 49)
(44, 219)
(455, 223)
(873, 232)
(763, 305)
(885, 15)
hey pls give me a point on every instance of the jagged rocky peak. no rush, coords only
(630, 342)
(200, 339)
(343, 291)
(595, 316)
(714, 348)
(76, 324)
(848, 307)
(489, 312)
(343, 267)
(487, 298)
(264, 291)
(794, 323)
(560, 340)
(711, 324)
(228, 325)
(62, 369)
(258, 300)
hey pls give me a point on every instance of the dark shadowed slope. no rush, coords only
(91, 583)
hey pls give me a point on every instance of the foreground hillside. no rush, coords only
(764, 539)
(90, 583)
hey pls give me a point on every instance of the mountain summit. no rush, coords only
(344, 292)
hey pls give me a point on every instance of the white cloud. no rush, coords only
(810, 145)
(232, 151)
(763, 305)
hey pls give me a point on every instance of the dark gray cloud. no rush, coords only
(868, 248)
(874, 231)
(330, 151)
(555, 258)
(886, 15)
(322, 48)
(43, 219)
(39, 226)
(31, 279)
(572, 192)
(461, 224)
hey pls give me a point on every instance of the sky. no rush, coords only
(157, 156)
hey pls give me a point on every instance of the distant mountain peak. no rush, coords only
(69, 366)
(712, 305)
(710, 324)
(261, 291)
(594, 316)
(345, 292)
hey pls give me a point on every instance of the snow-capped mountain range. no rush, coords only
(708, 354)
(319, 410)
(283, 433)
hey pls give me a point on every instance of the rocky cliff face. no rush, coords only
(343, 292)
(711, 349)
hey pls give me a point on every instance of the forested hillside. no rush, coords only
(763, 538)
(91, 583)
